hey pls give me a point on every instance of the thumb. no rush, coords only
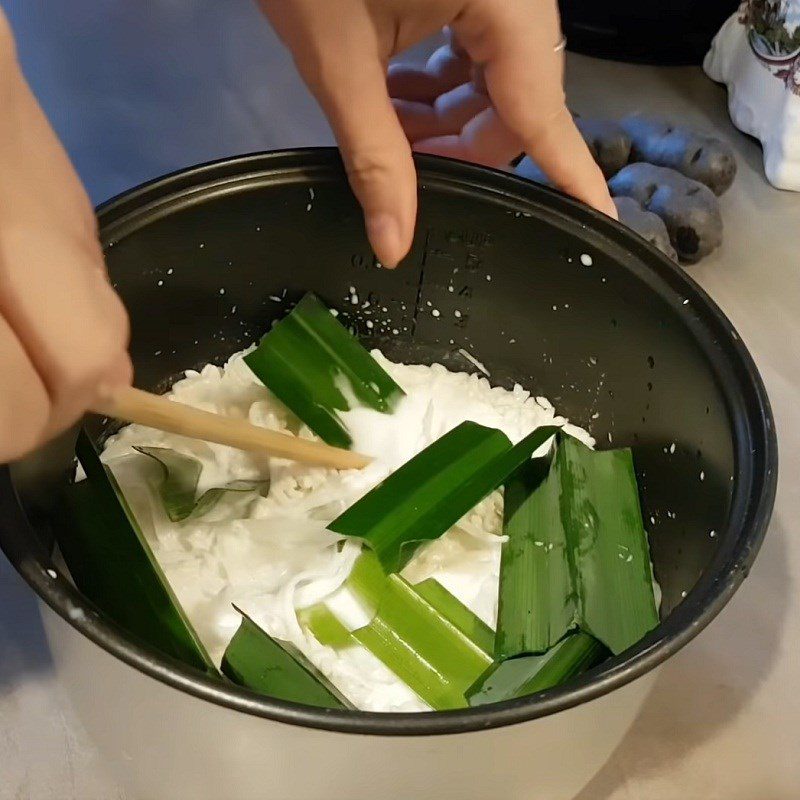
(352, 92)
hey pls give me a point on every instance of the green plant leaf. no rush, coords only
(313, 365)
(432, 491)
(367, 579)
(326, 627)
(276, 668)
(179, 477)
(423, 633)
(536, 605)
(178, 485)
(425, 650)
(526, 675)
(456, 613)
(112, 564)
(609, 549)
(577, 554)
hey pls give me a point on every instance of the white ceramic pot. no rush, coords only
(164, 744)
(757, 55)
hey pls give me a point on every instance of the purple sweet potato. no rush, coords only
(608, 143)
(689, 208)
(692, 153)
(647, 224)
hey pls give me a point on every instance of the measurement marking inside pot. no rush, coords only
(420, 284)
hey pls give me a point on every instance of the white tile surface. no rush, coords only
(723, 722)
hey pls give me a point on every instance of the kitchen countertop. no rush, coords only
(723, 720)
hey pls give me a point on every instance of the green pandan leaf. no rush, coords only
(424, 634)
(432, 491)
(456, 613)
(313, 365)
(609, 549)
(367, 580)
(112, 564)
(178, 486)
(180, 475)
(526, 675)
(536, 604)
(209, 499)
(423, 648)
(326, 627)
(278, 669)
(577, 554)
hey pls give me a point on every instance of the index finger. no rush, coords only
(517, 42)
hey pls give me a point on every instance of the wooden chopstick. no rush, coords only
(134, 405)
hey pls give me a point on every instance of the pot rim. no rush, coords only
(751, 503)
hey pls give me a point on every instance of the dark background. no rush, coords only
(644, 31)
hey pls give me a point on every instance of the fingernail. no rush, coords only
(383, 231)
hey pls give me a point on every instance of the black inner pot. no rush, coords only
(545, 292)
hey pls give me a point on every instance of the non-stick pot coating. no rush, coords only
(541, 290)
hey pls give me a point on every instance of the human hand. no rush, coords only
(516, 103)
(63, 330)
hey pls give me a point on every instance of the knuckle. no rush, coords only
(102, 352)
(84, 242)
(111, 349)
(368, 167)
(550, 121)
